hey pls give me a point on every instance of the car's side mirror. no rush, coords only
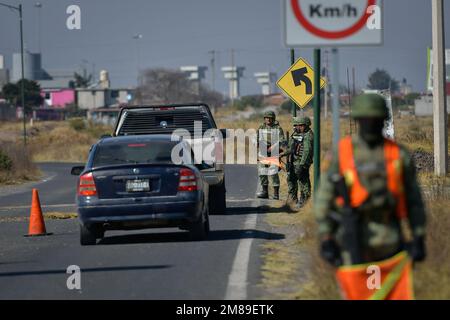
(76, 171)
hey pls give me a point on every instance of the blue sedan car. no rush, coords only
(131, 182)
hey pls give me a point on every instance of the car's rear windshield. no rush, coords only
(133, 152)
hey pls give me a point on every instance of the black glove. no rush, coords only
(417, 249)
(329, 251)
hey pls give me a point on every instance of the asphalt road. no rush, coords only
(143, 264)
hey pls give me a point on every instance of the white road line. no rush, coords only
(237, 280)
(22, 188)
(240, 200)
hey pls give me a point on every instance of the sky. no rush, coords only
(183, 32)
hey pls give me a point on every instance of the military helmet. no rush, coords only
(369, 105)
(301, 121)
(269, 114)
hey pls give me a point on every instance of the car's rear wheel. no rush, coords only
(199, 230)
(218, 199)
(88, 236)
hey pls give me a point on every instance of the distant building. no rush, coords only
(54, 79)
(90, 99)
(32, 64)
(266, 80)
(58, 98)
(4, 77)
(7, 111)
(233, 74)
(405, 88)
(275, 99)
(106, 116)
(4, 73)
(423, 106)
(57, 79)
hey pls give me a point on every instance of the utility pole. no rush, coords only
(22, 87)
(232, 68)
(213, 74)
(439, 87)
(138, 37)
(213, 69)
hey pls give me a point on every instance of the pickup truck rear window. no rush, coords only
(136, 122)
(133, 152)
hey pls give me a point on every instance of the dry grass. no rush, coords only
(22, 169)
(57, 141)
(47, 142)
(47, 216)
(66, 144)
(432, 277)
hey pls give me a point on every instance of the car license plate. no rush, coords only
(138, 185)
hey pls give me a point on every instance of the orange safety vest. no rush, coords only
(390, 279)
(358, 194)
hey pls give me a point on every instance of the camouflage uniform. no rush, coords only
(378, 229)
(300, 158)
(265, 134)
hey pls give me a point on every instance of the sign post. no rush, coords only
(293, 104)
(317, 82)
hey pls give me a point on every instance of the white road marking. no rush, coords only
(240, 200)
(237, 280)
(27, 187)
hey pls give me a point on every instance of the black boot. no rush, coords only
(300, 203)
(276, 193)
(264, 193)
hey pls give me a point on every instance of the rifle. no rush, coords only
(349, 221)
(290, 156)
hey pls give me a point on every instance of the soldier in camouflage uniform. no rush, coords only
(369, 191)
(299, 158)
(270, 136)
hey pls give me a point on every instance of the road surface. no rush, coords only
(142, 264)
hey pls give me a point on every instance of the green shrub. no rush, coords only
(77, 124)
(5, 161)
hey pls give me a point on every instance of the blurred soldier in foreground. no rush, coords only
(299, 158)
(270, 138)
(370, 211)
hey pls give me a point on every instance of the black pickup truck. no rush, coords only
(164, 119)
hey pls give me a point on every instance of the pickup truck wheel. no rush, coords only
(87, 236)
(218, 199)
(199, 230)
(100, 233)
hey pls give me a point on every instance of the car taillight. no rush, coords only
(86, 187)
(188, 181)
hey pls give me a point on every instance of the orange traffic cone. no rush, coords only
(37, 225)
